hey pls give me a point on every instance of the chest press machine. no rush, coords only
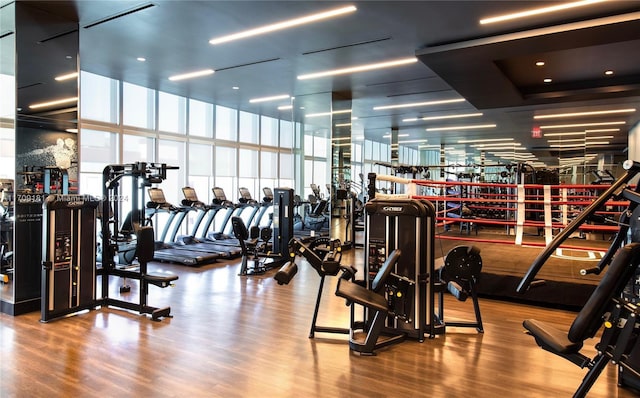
(607, 305)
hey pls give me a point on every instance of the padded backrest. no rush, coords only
(462, 263)
(621, 270)
(145, 245)
(239, 228)
(385, 270)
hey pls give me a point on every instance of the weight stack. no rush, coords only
(68, 255)
(408, 225)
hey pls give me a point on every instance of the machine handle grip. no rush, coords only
(587, 271)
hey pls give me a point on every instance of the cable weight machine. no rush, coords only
(132, 238)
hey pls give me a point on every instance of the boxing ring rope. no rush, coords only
(517, 203)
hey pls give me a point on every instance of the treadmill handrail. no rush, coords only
(632, 168)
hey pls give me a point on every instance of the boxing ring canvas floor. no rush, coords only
(505, 263)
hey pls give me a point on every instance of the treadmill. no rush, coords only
(170, 251)
(191, 241)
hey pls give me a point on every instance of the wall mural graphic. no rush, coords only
(37, 148)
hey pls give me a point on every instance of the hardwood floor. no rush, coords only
(235, 336)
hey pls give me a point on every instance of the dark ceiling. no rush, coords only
(491, 66)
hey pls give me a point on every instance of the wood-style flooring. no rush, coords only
(235, 336)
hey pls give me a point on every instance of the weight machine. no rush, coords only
(133, 234)
(271, 247)
(614, 301)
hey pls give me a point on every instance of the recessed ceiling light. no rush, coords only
(608, 72)
(190, 75)
(427, 103)
(141, 59)
(601, 130)
(235, 88)
(451, 116)
(359, 68)
(328, 113)
(387, 135)
(590, 113)
(497, 145)
(54, 102)
(572, 133)
(412, 142)
(538, 11)
(547, 80)
(484, 140)
(284, 24)
(540, 63)
(562, 126)
(342, 125)
(270, 98)
(285, 107)
(67, 76)
(470, 127)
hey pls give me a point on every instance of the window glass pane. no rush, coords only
(268, 164)
(225, 163)
(8, 102)
(91, 184)
(138, 106)
(287, 167)
(249, 127)
(137, 149)
(7, 152)
(172, 113)
(172, 153)
(249, 166)
(308, 145)
(385, 152)
(297, 135)
(98, 98)
(286, 134)
(200, 118)
(320, 174)
(308, 178)
(97, 149)
(320, 146)
(202, 185)
(356, 153)
(200, 160)
(268, 131)
(368, 150)
(226, 123)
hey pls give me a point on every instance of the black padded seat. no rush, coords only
(590, 319)
(552, 339)
(360, 295)
(248, 247)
